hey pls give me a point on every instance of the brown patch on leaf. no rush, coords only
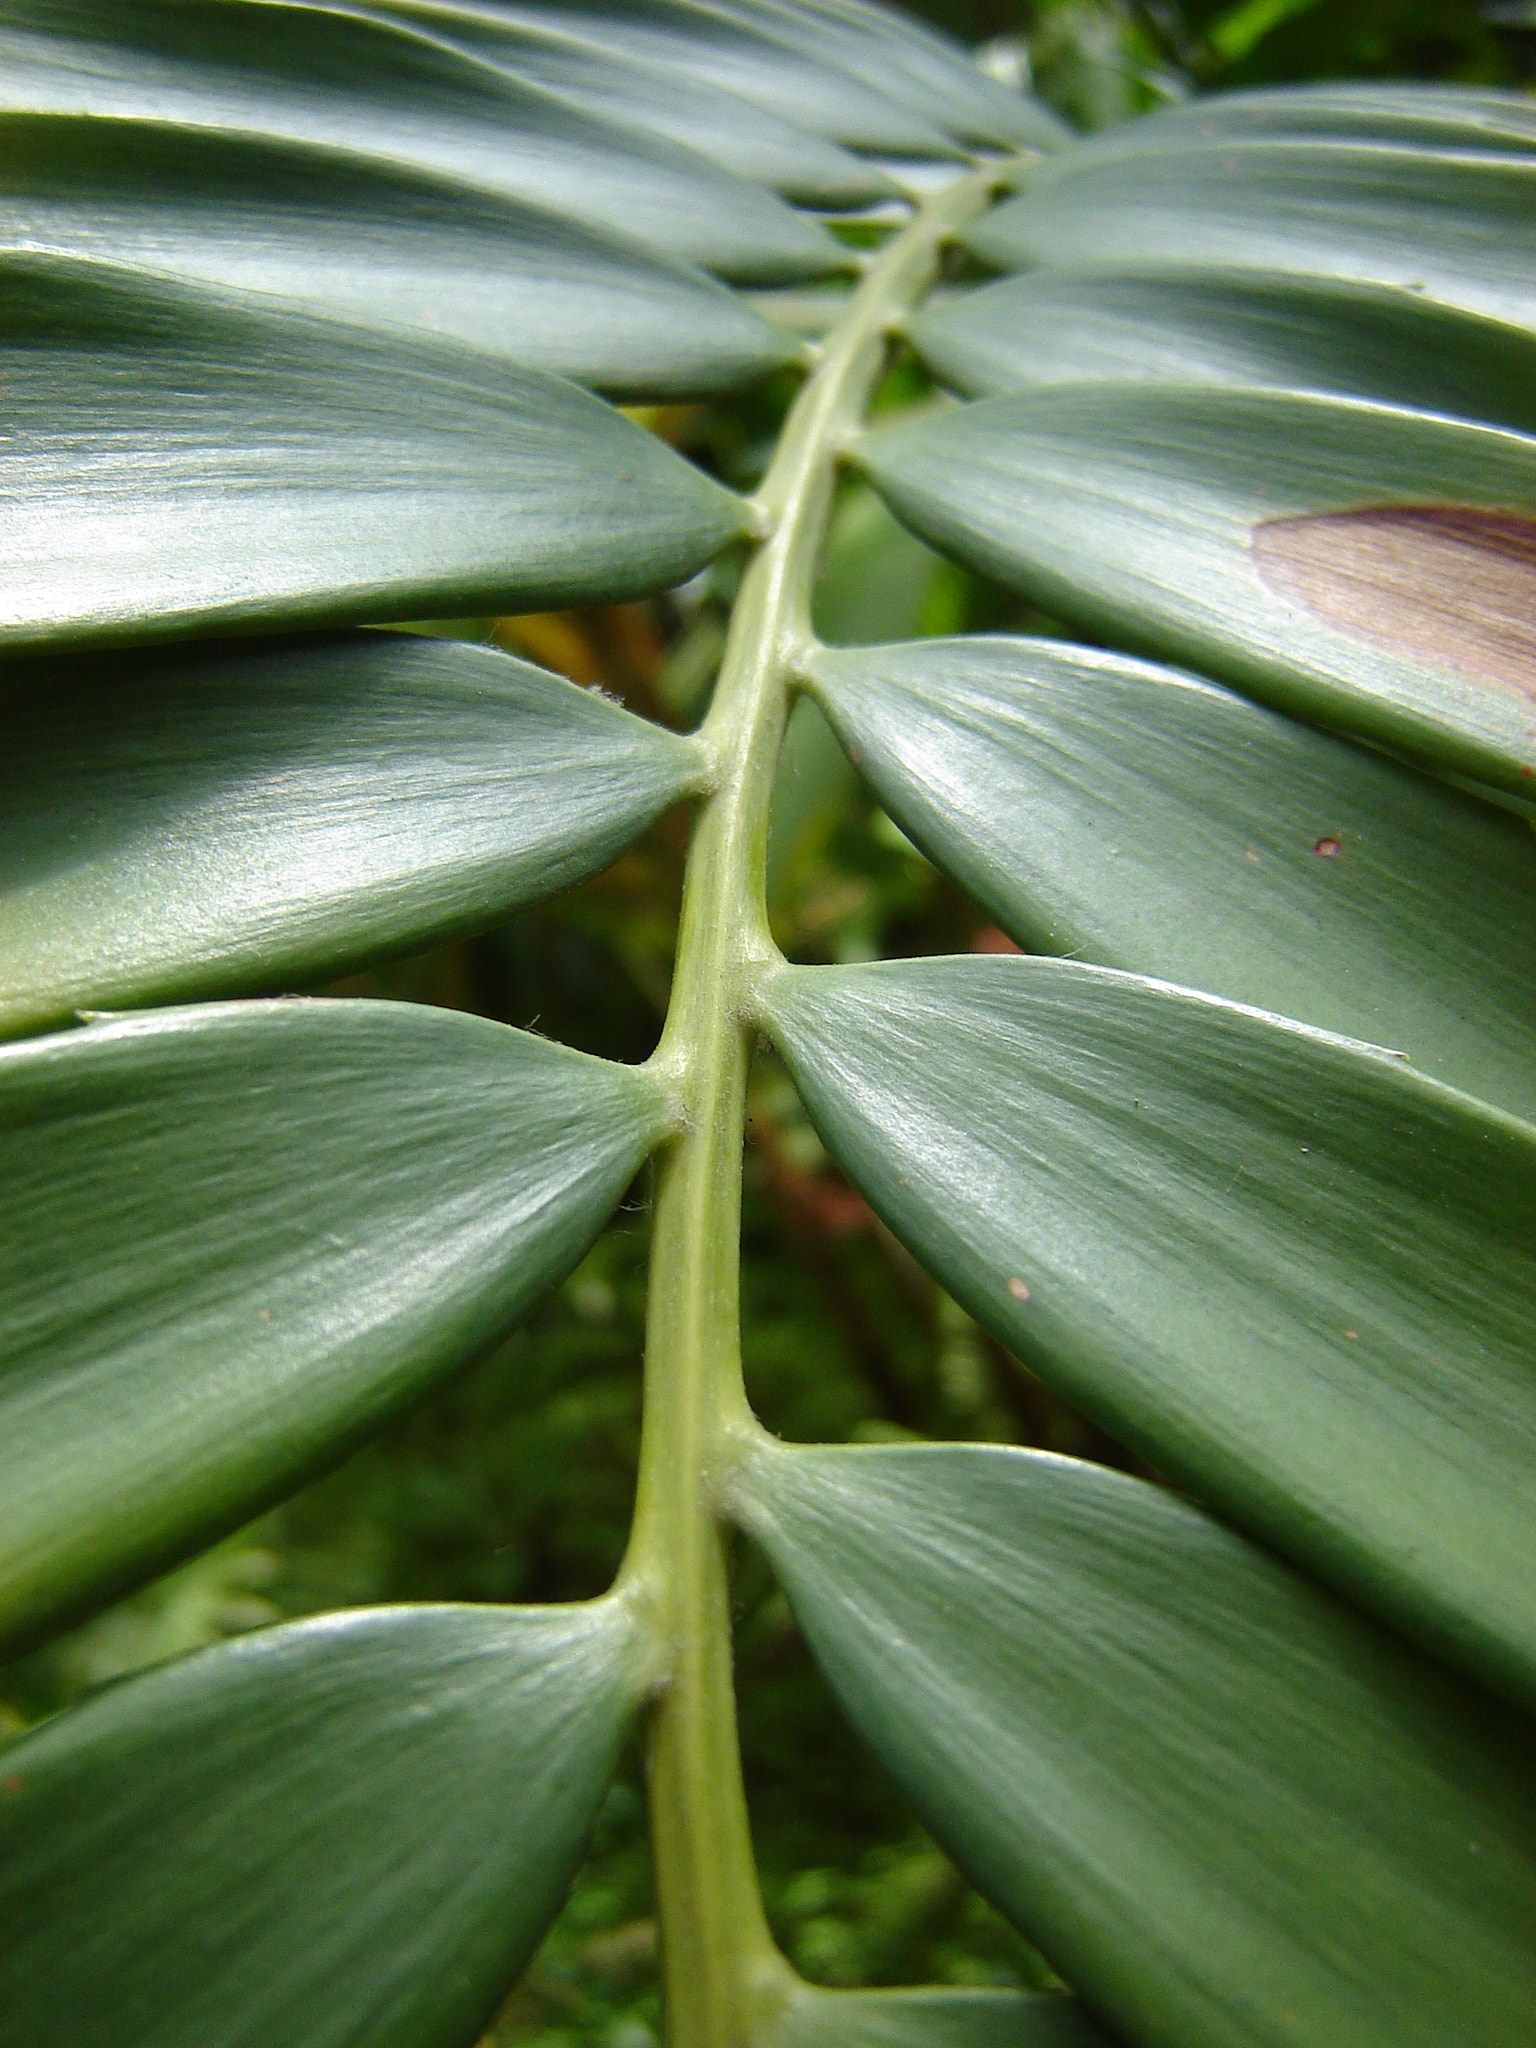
(1327, 848)
(1445, 584)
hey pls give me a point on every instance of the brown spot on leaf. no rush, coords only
(1327, 848)
(1445, 584)
(1018, 1290)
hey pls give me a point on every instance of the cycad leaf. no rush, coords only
(1368, 566)
(1291, 1271)
(1457, 225)
(1232, 327)
(911, 63)
(378, 243)
(1140, 818)
(934, 2019)
(337, 77)
(1359, 110)
(176, 460)
(247, 817)
(1233, 1813)
(353, 1828)
(233, 1239)
(752, 57)
(746, 138)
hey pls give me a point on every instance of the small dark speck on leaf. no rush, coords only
(264, 1315)
(1327, 848)
(1018, 1290)
(1353, 1336)
(11, 1784)
(1251, 853)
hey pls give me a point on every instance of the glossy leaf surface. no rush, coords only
(1365, 566)
(1232, 327)
(747, 139)
(180, 461)
(1234, 1813)
(337, 77)
(1457, 225)
(352, 1828)
(233, 1239)
(1292, 1272)
(1463, 117)
(363, 240)
(934, 2019)
(244, 817)
(752, 57)
(912, 63)
(1140, 818)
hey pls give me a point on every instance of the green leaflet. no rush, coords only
(206, 821)
(1289, 1270)
(233, 1239)
(1459, 117)
(1364, 566)
(1139, 818)
(753, 55)
(911, 63)
(1232, 327)
(178, 461)
(1235, 1814)
(746, 139)
(1457, 225)
(353, 1828)
(378, 243)
(333, 77)
(934, 2019)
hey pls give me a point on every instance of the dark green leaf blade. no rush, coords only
(934, 2019)
(178, 461)
(1293, 1273)
(209, 821)
(1140, 818)
(912, 63)
(1456, 225)
(341, 78)
(745, 138)
(1359, 565)
(1343, 110)
(1232, 327)
(752, 57)
(365, 240)
(352, 1828)
(233, 1239)
(1233, 1813)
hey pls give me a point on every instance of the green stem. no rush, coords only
(723, 1977)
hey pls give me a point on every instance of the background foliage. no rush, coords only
(516, 1483)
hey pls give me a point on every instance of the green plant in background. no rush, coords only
(306, 309)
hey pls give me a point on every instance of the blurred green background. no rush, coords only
(515, 1483)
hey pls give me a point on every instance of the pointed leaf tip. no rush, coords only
(352, 1827)
(184, 461)
(1291, 1271)
(1231, 1812)
(234, 1239)
(1138, 817)
(264, 814)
